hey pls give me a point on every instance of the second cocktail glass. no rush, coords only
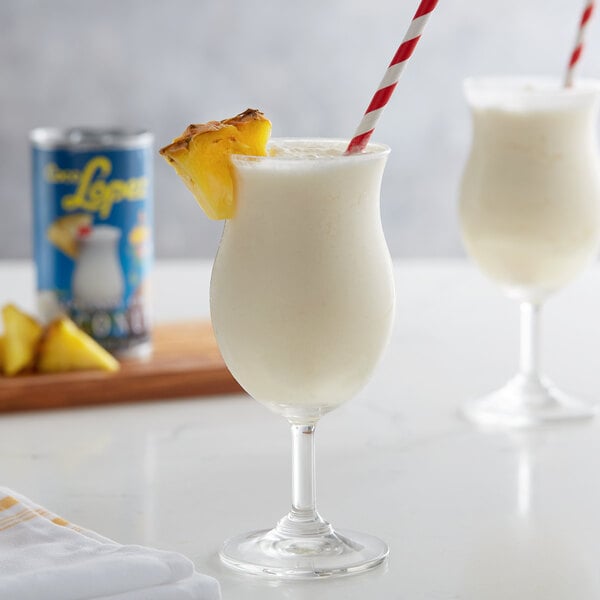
(302, 303)
(530, 218)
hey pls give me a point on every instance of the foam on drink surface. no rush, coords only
(309, 149)
(303, 150)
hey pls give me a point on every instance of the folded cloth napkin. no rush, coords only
(44, 557)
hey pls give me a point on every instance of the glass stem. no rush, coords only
(529, 362)
(303, 518)
(303, 472)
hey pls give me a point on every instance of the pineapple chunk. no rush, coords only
(65, 347)
(201, 157)
(22, 334)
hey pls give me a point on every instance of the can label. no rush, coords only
(93, 240)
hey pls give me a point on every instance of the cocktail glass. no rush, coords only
(302, 303)
(530, 219)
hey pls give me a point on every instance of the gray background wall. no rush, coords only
(310, 65)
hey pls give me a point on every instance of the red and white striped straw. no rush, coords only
(576, 54)
(391, 77)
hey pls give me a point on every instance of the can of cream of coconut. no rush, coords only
(93, 248)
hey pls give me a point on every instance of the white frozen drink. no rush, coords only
(302, 292)
(530, 197)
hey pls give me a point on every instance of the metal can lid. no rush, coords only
(90, 138)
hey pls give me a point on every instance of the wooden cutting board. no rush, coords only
(185, 362)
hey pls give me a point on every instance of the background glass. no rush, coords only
(530, 218)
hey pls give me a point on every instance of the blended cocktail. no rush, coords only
(529, 209)
(530, 218)
(302, 302)
(302, 295)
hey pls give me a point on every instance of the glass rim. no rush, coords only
(531, 84)
(374, 150)
(528, 91)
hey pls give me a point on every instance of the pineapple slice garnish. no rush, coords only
(22, 334)
(201, 157)
(65, 347)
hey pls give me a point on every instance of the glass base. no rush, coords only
(527, 402)
(270, 554)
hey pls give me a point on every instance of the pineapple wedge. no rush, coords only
(1, 353)
(201, 157)
(22, 334)
(65, 347)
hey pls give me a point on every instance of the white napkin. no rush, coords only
(44, 557)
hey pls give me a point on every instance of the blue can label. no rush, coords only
(93, 240)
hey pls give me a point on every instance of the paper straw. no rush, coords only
(576, 54)
(391, 77)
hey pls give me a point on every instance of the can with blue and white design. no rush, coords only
(93, 248)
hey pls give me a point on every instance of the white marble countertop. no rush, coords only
(468, 514)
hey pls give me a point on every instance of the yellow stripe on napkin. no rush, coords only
(56, 520)
(20, 517)
(7, 502)
(27, 514)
